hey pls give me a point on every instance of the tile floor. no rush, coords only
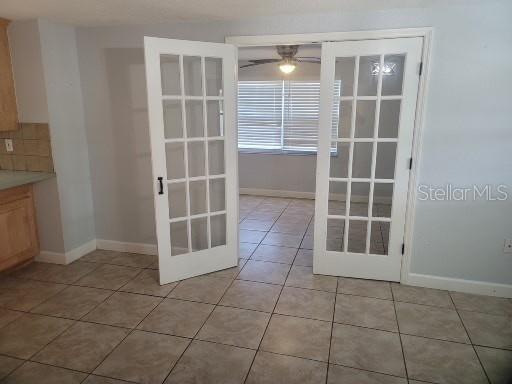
(105, 319)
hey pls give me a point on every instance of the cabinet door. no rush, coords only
(8, 108)
(18, 236)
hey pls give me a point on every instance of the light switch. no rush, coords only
(8, 145)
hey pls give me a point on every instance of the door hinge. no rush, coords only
(403, 248)
(421, 69)
(410, 163)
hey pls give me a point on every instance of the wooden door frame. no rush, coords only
(426, 33)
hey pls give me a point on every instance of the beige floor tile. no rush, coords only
(253, 237)
(246, 250)
(275, 254)
(479, 303)
(7, 316)
(308, 242)
(252, 295)
(497, 364)
(177, 317)
(8, 364)
(82, 347)
(306, 303)
(304, 258)
(369, 349)
(419, 295)
(123, 309)
(256, 225)
(368, 288)
(432, 322)
(65, 274)
(205, 289)
(29, 333)
(282, 240)
(234, 326)
(143, 357)
(108, 277)
(269, 368)
(264, 272)
(73, 302)
(290, 227)
(23, 295)
(488, 330)
(229, 273)
(134, 260)
(366, 312)
(94, 379)
(441, 362)
(303, 277)
(100, 256)
(148, 283)
(298, 337)
(346, 375)
(34, 373)
(205, 363)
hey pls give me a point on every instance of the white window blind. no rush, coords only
(282, 115)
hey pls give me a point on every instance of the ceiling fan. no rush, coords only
(287, 61)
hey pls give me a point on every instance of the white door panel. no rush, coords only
(192, 115)
(362, 187)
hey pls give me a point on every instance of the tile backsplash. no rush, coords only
(32, 149)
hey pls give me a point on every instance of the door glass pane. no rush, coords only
(382, 198)
(339, 162)
(334, 240)
(192, 75)
(175, 159)
(195, 122)
(357, 236)
(365, 118)
(199, 235)
(385, 167)
(337, 196)
(384, 229)
(173, 127)
(179, 238)
(344, 71)
(217, 195)
(362, 161)
(345, 120)
(213, 72)
(197, 191)
(376, 239)
(215, 118)
(359, 199)
(196, 158)
(177, 200)
(392, 74)
(170, 72)
(367, 85)
(216, 157)
(389, 118)
(218, 230)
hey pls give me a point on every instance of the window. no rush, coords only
(282, 115)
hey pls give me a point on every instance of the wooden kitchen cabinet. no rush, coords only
(18, 230)
(8, 107)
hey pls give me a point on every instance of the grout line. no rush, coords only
(400, 337)
(332, 330)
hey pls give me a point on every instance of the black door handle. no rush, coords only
(161, 185)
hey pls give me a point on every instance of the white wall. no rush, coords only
(466, 138)
(30, 85)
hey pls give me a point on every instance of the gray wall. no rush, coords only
(466, 137)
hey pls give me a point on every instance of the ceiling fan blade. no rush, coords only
(309, 61)
(250, 65)
(308, 57)
(264, 61)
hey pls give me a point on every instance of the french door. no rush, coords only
(363, 171)
(191, 105)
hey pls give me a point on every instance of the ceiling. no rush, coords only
(129, 12)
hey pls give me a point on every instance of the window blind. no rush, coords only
(282, 115)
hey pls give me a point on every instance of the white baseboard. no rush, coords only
(68, 257)
(120, 246)
(460, 285)
(277, 193)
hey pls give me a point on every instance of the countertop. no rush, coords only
(9, 179)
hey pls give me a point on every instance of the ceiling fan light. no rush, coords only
(287, 67)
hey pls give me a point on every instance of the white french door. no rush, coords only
(361, 188)
(192, 115)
